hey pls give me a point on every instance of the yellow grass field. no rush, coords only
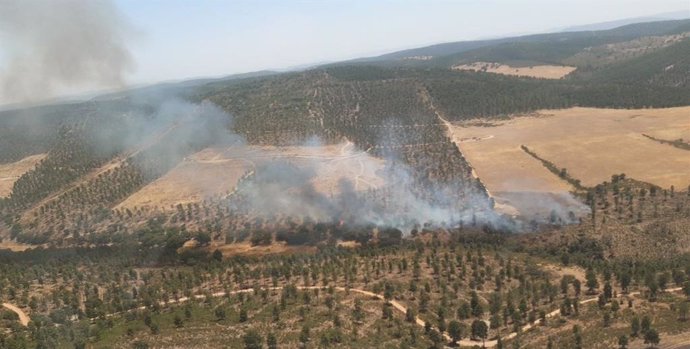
(9, 173)
(216, 171)
(592, 144)
(537, 71)
(246, 249)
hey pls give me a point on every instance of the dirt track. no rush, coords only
(398, 306)
(23, 318)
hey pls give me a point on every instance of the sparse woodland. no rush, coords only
(103, 276)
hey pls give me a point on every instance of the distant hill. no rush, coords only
(676, 15)
(549, 48)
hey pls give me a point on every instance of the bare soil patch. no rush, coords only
(537, 71)
(246, 249)
(15, 246)
(560, 271)
(9, 173)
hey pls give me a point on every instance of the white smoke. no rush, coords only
(54, 46)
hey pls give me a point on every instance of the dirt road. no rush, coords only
(23, 318)
(398, 306)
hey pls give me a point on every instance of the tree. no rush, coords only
(624, 280)
(608, 291)
(271, 341)
(220, 314)
(591, 280)
(155, 329)
(178, 321)
(479, 330)
(662, 280)
(577, 285)
(388, 291)
(276, 313)
(623, 341)
(410, 315)
(252, 340)
(475, 305)
(217, 255)
(140, 345)
(651, 337)
(464, 311)
(387, 311)
(243, 315)
(565, 281)
(577, 333)
(635, 326)
(203, 238)
(683, 309)
(652, 285)
(304, 335)
(357, 312)
(456, 330)
(436, 338)
(607, 319)
(646, 324)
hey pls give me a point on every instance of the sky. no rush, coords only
(172, 40)
(182, 39)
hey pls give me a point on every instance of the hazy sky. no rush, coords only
(180, 38)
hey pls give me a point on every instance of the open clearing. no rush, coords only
(14, 246)
(592, 144)
(216, 171)
(537, 71)
(9, 173)
(246, 249)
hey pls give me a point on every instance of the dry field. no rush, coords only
(537, 71)
(202, 175)
(246, 249)
(9, 173)
(592, 144)
(216, 171)
(14, 246)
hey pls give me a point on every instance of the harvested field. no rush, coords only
(537, 71)
(216, 171)
(592, 144)
(202, 175)
(9, 173)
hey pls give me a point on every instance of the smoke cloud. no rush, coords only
(312, 181)
(286, 187)
(50, 47)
